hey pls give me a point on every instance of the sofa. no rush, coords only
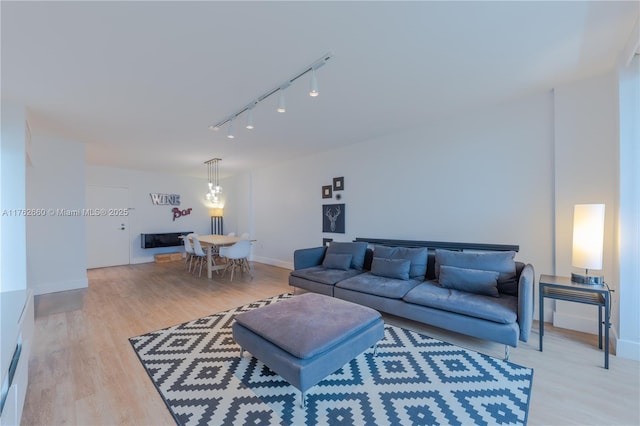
(482, 293)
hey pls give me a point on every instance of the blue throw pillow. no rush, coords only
(469, 280)
(391, 268)
(416, 255)
(500, 261)
(337, 261)
(355, 249)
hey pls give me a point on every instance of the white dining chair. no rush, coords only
(231, 234)
(188, 249)
(198, 254)
(236, 256)
(245, 236)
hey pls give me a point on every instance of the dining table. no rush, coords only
(210, 243)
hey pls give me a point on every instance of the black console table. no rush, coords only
(562, 288)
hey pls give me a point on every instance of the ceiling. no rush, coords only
(141, 82)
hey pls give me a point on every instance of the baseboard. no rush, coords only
(45, 288)
(144, 259)
(628, 349)
(273, 262)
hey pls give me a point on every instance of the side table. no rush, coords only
(562, 288)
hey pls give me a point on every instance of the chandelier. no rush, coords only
(213, 194)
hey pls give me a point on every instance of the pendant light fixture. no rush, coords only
(214, 188)
(248, 108)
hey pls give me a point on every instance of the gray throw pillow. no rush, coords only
(416, 255)
(391, 268)
(337, 261)
(500, 261)
(470, 280)
(355, 249)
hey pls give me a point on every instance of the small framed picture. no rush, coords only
(338, 183)
(326, 191)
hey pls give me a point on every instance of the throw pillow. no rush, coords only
(391, 268)
(416, 255)
(355, 249)
(469, 280)
(337, 261)
(500, 261)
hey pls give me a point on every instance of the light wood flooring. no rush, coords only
(83, 370)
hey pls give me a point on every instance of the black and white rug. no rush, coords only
(413, 380)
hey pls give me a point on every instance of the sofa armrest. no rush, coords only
(306, 258)
(525, 301)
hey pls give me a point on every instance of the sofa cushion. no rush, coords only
(471, 280)
(417, 256)
(357, 250)
(337, 261)
(323, 275)
(380, 286)
(391, 268)
(500, 261)
(497, 309)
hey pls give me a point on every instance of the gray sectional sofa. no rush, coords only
(481, 293)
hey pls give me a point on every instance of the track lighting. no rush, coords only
(280, 90)
(314, 84)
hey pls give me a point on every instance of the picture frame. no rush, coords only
(326, 191)
(333, 218)
(338, 183)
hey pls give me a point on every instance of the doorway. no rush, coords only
(107, 224)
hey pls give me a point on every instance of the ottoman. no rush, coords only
(307, 337)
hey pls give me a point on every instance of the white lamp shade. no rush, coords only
(588, 236)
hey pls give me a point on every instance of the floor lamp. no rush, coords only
(216, 221)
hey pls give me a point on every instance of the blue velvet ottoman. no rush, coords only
(307, 337)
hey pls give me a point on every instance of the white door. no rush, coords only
(107, 222)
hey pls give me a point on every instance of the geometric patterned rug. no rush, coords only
(413, 380)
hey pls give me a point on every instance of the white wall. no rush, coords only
(629, 230)
(586, 171)
(484, 176)
(56, 257)
(145, 217)
(12, 198)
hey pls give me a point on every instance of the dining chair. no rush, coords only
(231, 234)
(188, 249)
(236, 256)
(199, 254)
(245, 236)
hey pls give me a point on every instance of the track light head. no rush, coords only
(230, 130)
(281, 106)
(249, 119)
(314, 84)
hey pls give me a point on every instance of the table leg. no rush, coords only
(541, 318)
(599, 327)
(607, 302)
(209, 270)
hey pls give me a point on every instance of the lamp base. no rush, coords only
(588, 279)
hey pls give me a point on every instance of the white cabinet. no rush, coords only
(17, 318)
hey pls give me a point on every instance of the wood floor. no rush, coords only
(83, 370)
